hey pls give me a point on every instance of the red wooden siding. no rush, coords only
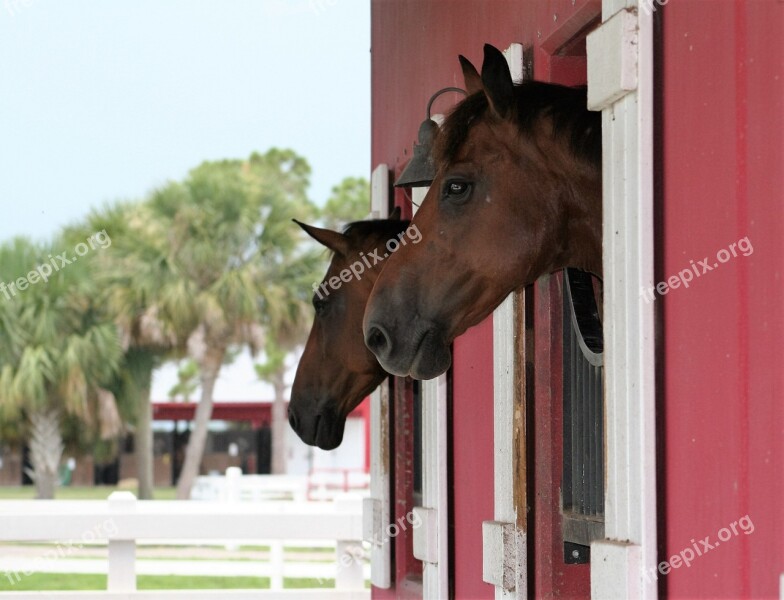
(722, 363)
(472, 457)
(415, 44)
(415, 47)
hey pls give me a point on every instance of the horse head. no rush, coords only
(517, 194)
(337, 370)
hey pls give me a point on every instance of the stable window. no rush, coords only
(582, 492)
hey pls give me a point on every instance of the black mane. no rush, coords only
(566, 106)
(359, 231)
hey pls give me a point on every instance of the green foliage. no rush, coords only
(349, 201)
(58, 349)
(214, 258)
(231, 247)
(187, 381)
(276, 361)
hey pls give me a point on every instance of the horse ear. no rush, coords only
(334, 240)
(395, 214)
(497, 82)
(473, 82)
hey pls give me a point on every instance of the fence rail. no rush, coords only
(122, 521)
(319, 484)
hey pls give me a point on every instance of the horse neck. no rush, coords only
(583, 247)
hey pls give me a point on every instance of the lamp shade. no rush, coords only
(420, 170)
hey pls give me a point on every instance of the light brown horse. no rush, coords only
(337, 370)
(517, 194)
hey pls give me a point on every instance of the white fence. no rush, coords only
(122, 521)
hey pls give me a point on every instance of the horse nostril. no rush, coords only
(377, 341)
(293, 421)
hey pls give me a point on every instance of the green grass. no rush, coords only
(69, 582)
(99, 492)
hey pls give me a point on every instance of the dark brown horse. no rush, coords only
(337, 370)
(517, 194)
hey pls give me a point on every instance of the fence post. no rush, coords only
(350, 553)
(276, 565)
(122, 552)
(233, 485)
(232, 492)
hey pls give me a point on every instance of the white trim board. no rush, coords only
(376, 510)
(620, 84)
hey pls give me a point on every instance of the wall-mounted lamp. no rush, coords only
(420, 170)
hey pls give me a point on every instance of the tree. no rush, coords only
(229, 235)
(143, 294)
(58, 354)
(349, 201)
(287, 329)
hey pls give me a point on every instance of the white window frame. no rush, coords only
(376, 510)
(620, 84)
(431, 538)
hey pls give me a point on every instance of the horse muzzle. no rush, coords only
(419, 350)
(322, 427)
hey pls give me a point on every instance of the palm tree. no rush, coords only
(287, 328)
(229, 235)
(143, 295)
(58, 353)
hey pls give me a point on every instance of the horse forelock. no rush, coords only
(454, 131)
(363, 234)
(572, 122)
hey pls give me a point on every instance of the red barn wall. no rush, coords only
(721, 384)
(720, 178)
(415, 44)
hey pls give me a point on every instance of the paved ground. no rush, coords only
(171, 552)
(212, 561)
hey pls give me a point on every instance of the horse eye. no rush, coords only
(456, 190)
(320, 306)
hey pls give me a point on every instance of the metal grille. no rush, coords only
(583, 417)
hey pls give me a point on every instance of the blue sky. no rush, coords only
(105, 100)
